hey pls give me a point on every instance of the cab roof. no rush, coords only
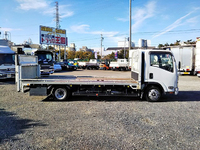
(6, 50)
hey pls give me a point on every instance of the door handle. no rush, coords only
(151, 75)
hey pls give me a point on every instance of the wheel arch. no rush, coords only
(52, 87)
(152, 96)
(147, 85)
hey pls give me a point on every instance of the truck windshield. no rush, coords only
(44, 57)
(162, 60)
(7, 59)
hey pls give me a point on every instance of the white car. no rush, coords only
(57, 67)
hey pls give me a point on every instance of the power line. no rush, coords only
(173, 31)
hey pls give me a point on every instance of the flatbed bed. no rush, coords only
(81, 80)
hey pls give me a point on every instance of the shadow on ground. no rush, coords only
(183, 96)
(11, 125)
(7, 81)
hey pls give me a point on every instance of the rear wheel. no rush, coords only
(121, 69)
(153, 94)
(61, 93)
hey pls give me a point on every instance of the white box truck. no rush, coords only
(7, 63)
(153, 73)
(197, 58)
(186, 56)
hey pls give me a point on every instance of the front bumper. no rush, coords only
(7, 76)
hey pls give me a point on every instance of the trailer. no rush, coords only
(7, 63)
(150, 78)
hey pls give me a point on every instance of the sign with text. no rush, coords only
(52, 36)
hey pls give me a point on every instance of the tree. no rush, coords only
(79, 54)
(190, 42)
(110, 56)
(121, 54)
(71, 55)
(160, 45)
(166, 44)
(177, 42)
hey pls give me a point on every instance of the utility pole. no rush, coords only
(130, 25)
(58, 25)
(57, 16)
(101, 44)
(124, 47)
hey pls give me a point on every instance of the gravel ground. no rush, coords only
(100, 122)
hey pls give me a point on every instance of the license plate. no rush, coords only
(186, 73)
(8, 75)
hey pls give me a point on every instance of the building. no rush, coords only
(85, 49)
(125, 43)
(144, 43)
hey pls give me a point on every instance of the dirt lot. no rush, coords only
(100, 122)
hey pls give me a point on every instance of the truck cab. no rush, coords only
(45, 59)
(7, 63)
(156, 72)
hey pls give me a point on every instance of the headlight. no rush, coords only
(176, 91)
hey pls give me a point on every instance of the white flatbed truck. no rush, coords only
(92, 64)
(149, 79)
(121, 64)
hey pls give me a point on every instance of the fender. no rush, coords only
(147, 84)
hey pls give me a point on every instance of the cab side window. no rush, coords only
(162, 60)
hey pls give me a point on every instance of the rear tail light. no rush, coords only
(187, 69)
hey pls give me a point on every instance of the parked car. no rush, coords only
(67, 66)
(74, 62)
(57, 67)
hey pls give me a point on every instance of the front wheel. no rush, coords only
(153, 94)
(61, 93)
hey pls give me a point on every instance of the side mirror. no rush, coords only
(179, 65)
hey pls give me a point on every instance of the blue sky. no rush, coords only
(160, 21)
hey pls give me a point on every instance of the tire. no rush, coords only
(153, 94)
(61, 93)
